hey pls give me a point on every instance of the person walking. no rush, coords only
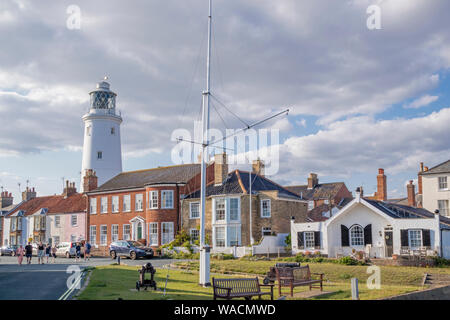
(53, 253)
(87, 251)
(40, 253)
(78, 252)
(29, 252)
(19, 253)
(47, 251)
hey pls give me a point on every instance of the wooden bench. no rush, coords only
(295, 277)
(239, 288)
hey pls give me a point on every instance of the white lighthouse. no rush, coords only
(102, 150)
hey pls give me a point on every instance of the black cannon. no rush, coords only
(146, 283)
(272, 275)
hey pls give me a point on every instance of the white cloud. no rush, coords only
(361, 144)
(422, 102)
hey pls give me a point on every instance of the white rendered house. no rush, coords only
(102, 147)
(377, 228)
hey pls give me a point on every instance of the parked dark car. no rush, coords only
(131, 249)
(7, 251)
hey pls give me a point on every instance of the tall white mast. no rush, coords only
(204, 249)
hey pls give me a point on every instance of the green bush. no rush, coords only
(349, 261)
(441, 262)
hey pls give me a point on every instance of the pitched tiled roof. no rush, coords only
(54, 204)
(404, 201)
(140, 179)
(398, 211)
(440, 168)
(317, 214)
(238, 182)
(321, 191)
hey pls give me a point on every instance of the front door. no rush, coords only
(388, 235)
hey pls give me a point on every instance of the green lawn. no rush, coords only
(113, 282)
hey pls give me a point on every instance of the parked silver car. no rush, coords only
(7, 251)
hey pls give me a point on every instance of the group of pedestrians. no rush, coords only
(49, 251)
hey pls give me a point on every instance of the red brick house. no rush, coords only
(318, 194)
(139, 205)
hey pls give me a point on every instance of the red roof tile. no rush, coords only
(55, 204)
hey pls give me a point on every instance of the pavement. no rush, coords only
(52, 281)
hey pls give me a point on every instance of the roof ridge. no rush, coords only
(271, 181)
(436, 166)
(159, 168)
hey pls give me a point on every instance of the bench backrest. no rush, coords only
(300, 273)
(238, 286)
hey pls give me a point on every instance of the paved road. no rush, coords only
(48, 281)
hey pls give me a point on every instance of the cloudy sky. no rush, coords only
(360, 99)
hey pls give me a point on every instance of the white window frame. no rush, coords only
(153, 199)
(191, 216)
(124, 203)
(444, 210)
(126, 235)
(164, 199)
(171, 234)
(310, 205)
(114, 236)
(411, 238)
(93, 231)
(115, 206)
(224, 209)
(309, 240)
(442, 183)
(139, 202)
(103, 240)
(93, 205)
(359, 239)
(76, 220)
(269, 208)
(224, 228)
(152, 235)
(103, 205)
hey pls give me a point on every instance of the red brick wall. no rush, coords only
(150, 215)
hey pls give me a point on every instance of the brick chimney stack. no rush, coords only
(313, 181)
(220, 168)
(419, 179)
(258, 167)
(411, 189)
(381, 193)
(90, 181)
(69, 189)
(28, 194)
(6, 199)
